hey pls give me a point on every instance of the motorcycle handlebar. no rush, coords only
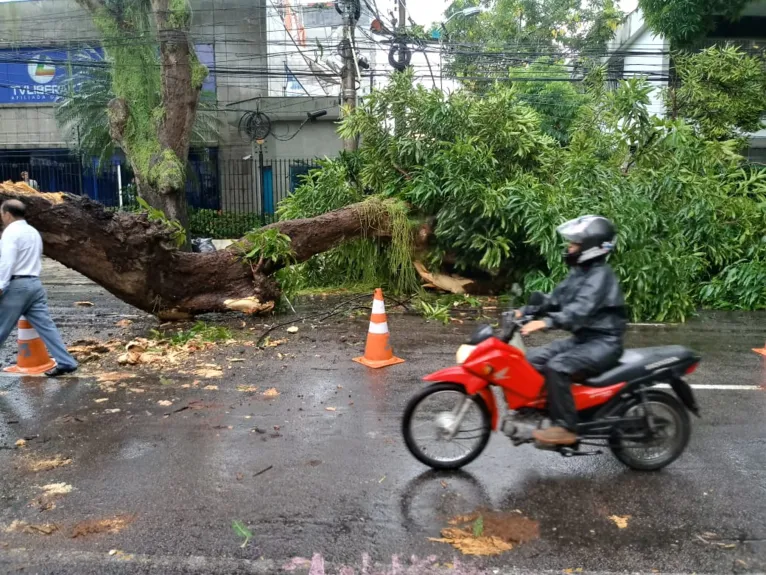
(510, 323)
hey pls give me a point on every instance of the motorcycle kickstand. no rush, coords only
(575, 452)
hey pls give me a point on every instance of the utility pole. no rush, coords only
(349, 75)
(402, 15)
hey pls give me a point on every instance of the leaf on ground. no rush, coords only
(165, 402)
(247, 388)
(31, 528)
(272, 392)
(96, 526)
(101, 399)
(235, 360)
(115, 376)
(123, 323)
(464, 541)
(136, 390)
(242, 531)
(478, 527)
(620, 520)
(84, 303)
(112, 411)
(56, 489)
(21, 442)
(209, 373)
(330, 408)
(211, 388)
(39, 465)
(292, 329)
(274, 342)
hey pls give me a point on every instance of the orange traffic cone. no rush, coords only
(378, 352)
(762, 351)
(33, 358)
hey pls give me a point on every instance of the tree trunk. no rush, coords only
(137, 261)
(154, 136)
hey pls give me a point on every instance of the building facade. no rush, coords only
(44, 42)
(637, 52)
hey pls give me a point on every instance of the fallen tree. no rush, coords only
(138, 261)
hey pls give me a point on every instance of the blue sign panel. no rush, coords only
(35, 76)
(39, 76)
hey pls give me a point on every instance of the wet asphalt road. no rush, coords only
(340, 487)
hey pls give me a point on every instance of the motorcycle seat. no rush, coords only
(639, 362)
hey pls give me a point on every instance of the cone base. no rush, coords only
(37, 370)
(378, 364)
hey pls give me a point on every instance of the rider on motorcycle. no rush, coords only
(589, 304)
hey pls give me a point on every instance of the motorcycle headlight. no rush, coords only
(463, 352)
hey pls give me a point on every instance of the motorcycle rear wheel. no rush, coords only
(480, 434)
(671, 414)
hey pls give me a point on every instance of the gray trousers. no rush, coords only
(560, 360)
(27, 297)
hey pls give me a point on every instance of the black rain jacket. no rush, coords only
(588, 303)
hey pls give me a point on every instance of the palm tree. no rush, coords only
(82, 109)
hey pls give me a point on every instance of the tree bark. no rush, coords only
(137, 261)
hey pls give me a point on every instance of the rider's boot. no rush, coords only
(554, 436)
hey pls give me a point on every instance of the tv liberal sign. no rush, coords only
(40, 75)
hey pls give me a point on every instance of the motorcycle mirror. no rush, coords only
(536, 298)
(482, 333)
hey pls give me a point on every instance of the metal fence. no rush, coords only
(226, 197)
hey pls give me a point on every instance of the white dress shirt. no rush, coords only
(21, 250)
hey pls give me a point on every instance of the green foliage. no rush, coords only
(478, 526)
(365, 262)
(200, 331)
(690, 215)
(558, 103)
(266, 245)
(721, 92)
(242, 532)
(155, 215)
(512, 33)
(435, 311)
(685, 21)
(221, 225)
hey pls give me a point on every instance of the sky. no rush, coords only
(426, 12)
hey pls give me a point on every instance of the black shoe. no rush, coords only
(59, 371)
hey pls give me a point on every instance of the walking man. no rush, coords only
(21, 292)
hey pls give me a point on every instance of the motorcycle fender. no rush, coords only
(684, 392)
(473, 386)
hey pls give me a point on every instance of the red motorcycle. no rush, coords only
(448, 424)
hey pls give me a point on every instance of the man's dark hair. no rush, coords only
(14, 207)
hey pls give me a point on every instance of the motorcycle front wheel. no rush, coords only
(668, 441)
(428, 419)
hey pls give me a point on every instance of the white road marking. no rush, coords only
(719, 387)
